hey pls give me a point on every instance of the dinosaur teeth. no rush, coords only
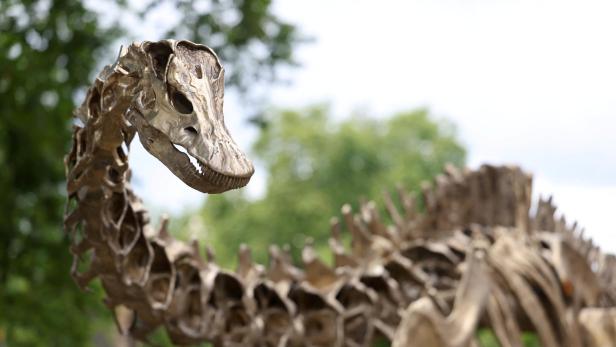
(194, 161)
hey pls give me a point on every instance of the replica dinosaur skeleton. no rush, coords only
(474, 257)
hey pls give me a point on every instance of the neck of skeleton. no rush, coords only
(102, 208)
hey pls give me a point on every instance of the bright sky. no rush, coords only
(530, 82)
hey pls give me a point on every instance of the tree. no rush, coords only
(316, 165)
(48, 53)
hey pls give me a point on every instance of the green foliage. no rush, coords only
(530, 339)
(316, 165)
(49, 50)
(487, 338)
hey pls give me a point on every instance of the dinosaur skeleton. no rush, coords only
(474, 257)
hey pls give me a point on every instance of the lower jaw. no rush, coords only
(208, 181)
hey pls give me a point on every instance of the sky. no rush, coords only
(531, 83)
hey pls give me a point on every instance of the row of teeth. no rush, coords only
(194, 161)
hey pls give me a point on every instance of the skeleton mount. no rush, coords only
(474, 257)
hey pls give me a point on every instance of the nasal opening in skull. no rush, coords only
(191, 130)
(181, 102)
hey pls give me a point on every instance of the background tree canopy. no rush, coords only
(49, 50)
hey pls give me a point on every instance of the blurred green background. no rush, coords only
(50, 50)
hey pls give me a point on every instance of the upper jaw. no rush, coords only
(214, 157)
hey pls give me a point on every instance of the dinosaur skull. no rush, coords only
(178, 114)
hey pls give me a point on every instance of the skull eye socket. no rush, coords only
(181, 103)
